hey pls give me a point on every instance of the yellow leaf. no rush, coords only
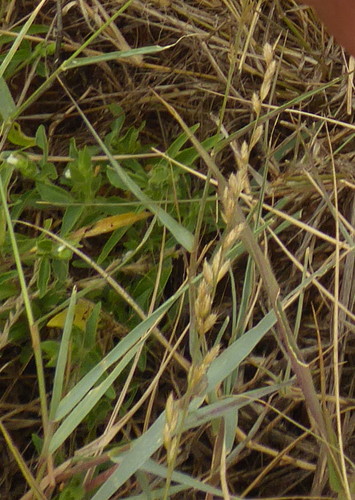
(109, 224)
(83, 309)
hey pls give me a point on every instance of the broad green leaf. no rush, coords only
(71, 216)
(19, 138)
(180, 233)
(41, 141)
(53, 194)
(8, 105)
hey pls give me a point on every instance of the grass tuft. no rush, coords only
(177, 252)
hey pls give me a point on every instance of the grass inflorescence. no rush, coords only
(177, 252)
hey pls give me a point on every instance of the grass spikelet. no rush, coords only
(269, 73)
(171, 422)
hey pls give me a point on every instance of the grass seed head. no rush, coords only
(268, 54)
(256, 136)
(256, 103)
(217, 262)
(172, 450)
(266, 85)
(209, 323)
(208, 273)
(228, 201)
(243, 156)
(232, 237)
(223, 270)
(211, 356)
(203, 302)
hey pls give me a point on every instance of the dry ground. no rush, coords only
(218, 62)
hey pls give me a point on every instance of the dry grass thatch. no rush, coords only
(267, 75)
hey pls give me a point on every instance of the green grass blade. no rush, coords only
(88, 381)
(115, 55)
(33, 328)
(142, 449)
(62, 357)
(88, 403)
(9, 56)
(222, 407)
(231, 358)
(52, 77)
(187, 482)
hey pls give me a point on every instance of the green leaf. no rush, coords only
(50, 349)
(142, 449)
(91, 327)
(74, 490)
(180, 233)
(111, 243)
(71, 217)
(18, 40)
(86, 384)
(222, 407)
(176, 146)
(8, 105)
(41, 141)
(17, 137)
(54, 194)
(189, 156)
(44, 273)
(38, 442)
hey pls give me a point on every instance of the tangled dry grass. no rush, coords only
(267, 75)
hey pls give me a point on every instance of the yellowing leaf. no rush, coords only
(83, 309)
(109, 224)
